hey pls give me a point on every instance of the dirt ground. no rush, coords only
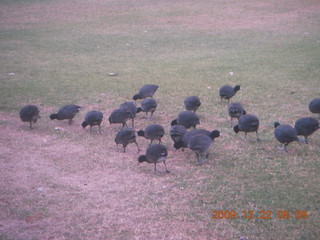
(83, 187)
(72, 184)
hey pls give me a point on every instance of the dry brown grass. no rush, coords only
(83, 187)
(76, 185)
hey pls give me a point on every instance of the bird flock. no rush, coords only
(197, 140)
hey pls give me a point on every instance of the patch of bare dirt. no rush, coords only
(77, 185)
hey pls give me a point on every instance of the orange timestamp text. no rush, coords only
(264, 214)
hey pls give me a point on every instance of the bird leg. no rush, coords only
(283, 148)
(137, 146)
(204, 160)
(155, 168)
(100, 129)
(132, 122)
(198, 158)
(167, 171)
(150, 116)
(31, 125)
(258, 139)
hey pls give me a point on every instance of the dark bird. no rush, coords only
(177, 132)
(306, 126)
(130, 107)
(314, 106)
(227, 92)
(120, 115)
(200, 145)
(186, 139)
(29, 113)
(152, 132)
(247, 123)
(155, 153)
(148, 105)
(126, 136)
(187, 119)
(145, 91)
(93, 118)
(66, 112)
(285, 134)
(192, 103)
(235, 110)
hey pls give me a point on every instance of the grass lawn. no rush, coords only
(75, 185)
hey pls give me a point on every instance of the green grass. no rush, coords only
(56, 64)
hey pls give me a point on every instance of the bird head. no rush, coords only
(174, 122)
(140, 133)
(54, 116)
(136, 97)
(178, 145)
(84, 124)
(276, 124)
(214, 134)
(237, 88)
(236, 129)
(142, 158)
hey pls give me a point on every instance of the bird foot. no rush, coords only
(302, 140)
(282, 149)
(201, 162)
(204, 161)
